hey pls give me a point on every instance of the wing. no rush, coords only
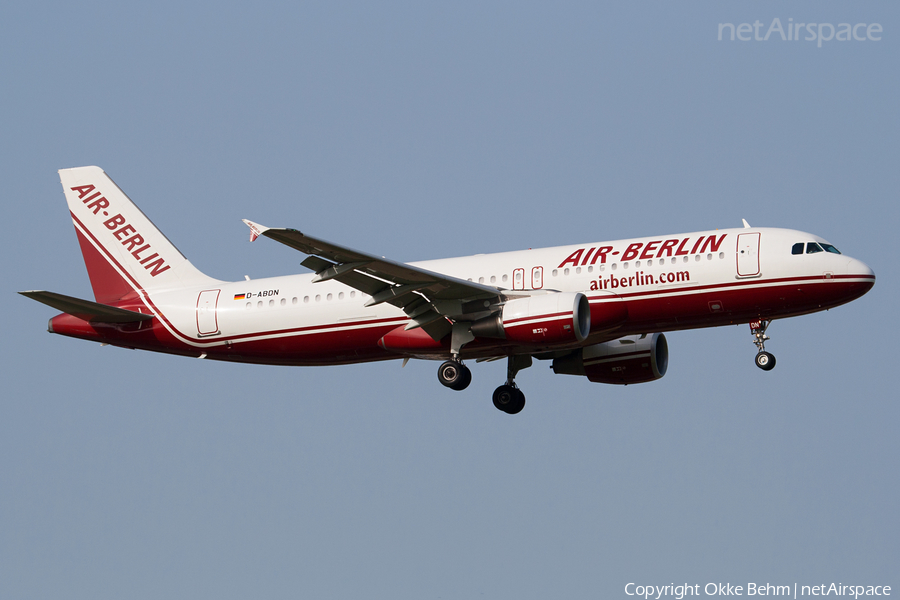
(428, 298)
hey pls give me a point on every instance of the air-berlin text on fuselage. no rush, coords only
(640, 278)
(645, 250)
(125, 233)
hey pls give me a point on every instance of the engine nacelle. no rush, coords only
(555, 318)
(630, 359)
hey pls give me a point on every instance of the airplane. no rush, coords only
(595, 310)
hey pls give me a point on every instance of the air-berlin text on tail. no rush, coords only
(125, 233)
(645, 250)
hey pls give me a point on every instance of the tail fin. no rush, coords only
(123, 251)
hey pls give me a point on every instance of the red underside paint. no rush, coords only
(415, 340)
(317, 346)
(607, 315)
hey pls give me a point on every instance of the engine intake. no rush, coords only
(630, 359)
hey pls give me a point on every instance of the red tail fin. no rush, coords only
(123, 251)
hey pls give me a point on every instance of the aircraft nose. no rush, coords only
(861, 276)
(860, 269)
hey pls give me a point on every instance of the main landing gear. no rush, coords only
(455, 375)
(764, 360)
(508, 397)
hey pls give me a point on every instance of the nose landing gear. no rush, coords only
(764, 360)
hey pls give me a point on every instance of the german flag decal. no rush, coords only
(240, 296)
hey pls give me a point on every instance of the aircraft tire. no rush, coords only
(465, 378)
(765, 361)
(454, 375)
(509, 399)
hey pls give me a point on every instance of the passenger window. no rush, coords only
(797, 248)
(830, 248)
(812, 248)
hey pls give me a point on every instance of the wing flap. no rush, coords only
(85, 309)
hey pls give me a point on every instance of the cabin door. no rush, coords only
(748, 254)
(207, 324)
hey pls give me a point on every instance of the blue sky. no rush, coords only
(422, 131)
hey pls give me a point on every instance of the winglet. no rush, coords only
(746, 224)
(256, 229)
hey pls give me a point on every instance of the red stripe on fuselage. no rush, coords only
(680, 307)
(391, 322)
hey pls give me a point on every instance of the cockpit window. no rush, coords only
(813, 248)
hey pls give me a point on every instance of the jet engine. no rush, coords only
(555, 318)
(629, 359)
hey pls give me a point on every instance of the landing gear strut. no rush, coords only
(508, 397)
(454, 375)
(764, 360)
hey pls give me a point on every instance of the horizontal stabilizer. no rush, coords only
(85, 309)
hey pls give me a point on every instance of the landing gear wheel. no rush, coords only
(454, 375)
(765, 361)
(509, 399)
